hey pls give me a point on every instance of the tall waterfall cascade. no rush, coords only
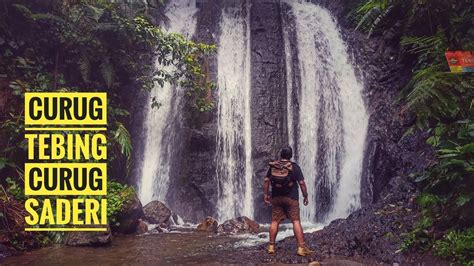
(161, 123)
(234, 144)
(327, 119)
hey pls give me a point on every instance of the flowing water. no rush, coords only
(327, 124)
(233, 155)
(161, 124)
(327, 119)
(175, 248)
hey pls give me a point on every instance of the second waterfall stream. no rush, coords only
(327, 119)
(234, 142)
(161, 123)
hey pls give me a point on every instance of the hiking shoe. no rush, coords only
(303, 251)
(271, 249)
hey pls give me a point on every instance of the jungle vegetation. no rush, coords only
(443, 103)
(85, 45)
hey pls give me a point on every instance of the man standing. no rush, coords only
(284, 177)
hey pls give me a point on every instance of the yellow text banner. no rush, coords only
(65, 179)
(65, 108)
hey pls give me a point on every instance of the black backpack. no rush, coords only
(280, 177)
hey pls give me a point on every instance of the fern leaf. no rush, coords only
(371, 13)
(123, 139)
(426, 44)
(378, 19)
(435, 93)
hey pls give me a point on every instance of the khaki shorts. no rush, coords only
(285, 207)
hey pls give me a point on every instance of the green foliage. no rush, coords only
(443, 105)
(370, 14)
(12, 220)
(447, 182)
(426, 29)
(427, 200)
(421, 236)
(83, 45)
(434, 93)
(118, 196)
(415, 18)
(122, 137)
(92, 36)
(121, 144)
(86, 45)
(450, 177)
(13, 213)
(457, 245)
(16, 190)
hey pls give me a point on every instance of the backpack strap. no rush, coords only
(281, 164)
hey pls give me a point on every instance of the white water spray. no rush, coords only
(161, 123)
(331, 120)
(233, 157)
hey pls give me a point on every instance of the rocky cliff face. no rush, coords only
(384, 75)
(137, 110)
(195, 190)
(194, 187)
(269, 125)
(192, 172)
(193, 176)
(193, 180)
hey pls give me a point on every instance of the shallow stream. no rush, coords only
(152, 249)
(179, 246)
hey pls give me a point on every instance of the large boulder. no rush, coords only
(128, 218)
(89, 238)
(156, 212)
(239, 225)
(142, 227)
(253, 225)
(208, 225)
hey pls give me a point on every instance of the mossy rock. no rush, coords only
(128, 218)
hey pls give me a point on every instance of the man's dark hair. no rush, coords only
(286, 153)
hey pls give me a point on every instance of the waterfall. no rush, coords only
(327, 119)
(233, 156)
(161, 124)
